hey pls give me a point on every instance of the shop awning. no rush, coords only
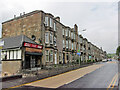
(33, 53)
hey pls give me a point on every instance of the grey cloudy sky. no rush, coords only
(100, 19)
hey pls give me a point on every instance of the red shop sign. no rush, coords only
(32, 45)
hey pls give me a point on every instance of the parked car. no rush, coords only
(104, 60)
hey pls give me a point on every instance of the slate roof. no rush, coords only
(15, 42)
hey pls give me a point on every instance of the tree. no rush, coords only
(118, 51)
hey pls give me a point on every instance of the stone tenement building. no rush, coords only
(61, 44)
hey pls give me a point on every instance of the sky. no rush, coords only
(100, 19)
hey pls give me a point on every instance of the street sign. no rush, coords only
(79, 54)
(1, 43)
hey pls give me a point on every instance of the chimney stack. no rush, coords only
(20, 14)
(57, 18)
(23, 13)
(14, 16)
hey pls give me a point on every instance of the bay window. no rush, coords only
(66, 43)
(51, 55)
(66, 32)
(47, 55)
(47, 37)
(51, 38)
(46, 21)
(72, 46)
(54, 26)
(51, 22)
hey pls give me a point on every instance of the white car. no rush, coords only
(104, 60)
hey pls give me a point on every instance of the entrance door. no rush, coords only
(55, 58)
(32, 62)
(63, 58)
(27, 62)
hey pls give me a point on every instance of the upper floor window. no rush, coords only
(66, 32)
(63, 43)
(55, 41)
(72, 35)
(46, 21)
(63, 31)
(69, 33)
(72, 46)
(51, 22)
(51, 38)
(47, 37)
(66, 43)
(54, 26)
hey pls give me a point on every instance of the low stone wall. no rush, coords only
(10, 67)
(30, 76)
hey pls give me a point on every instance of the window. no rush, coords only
(69, 44)
(8, 55)
(63, 43)
(46, 21)
(51, 23)
(55, 41)
(66, 43)
(47, 37)
(69, 33)
(51, 55)
(75, 45)
(60, 56)
(11, 55)
(47, 56)
(63, 31)
(15, 54)
(19, 54)
(66, 32)
(51, 38)
(54, 26)
(72, 46)
(72, 35)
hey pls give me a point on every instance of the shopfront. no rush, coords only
(33, 55)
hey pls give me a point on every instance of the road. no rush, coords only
(103, 75)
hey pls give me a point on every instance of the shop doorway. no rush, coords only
(63, 58)
(27, 61)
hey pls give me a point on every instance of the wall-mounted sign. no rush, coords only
(79, 54)
(32, 45)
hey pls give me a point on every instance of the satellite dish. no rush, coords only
(33, 37)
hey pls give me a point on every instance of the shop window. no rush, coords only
(15, 54)
(8, 55)
(47, 37)
(19, 54)
(47, 56)
(46, 21)
(51, 56)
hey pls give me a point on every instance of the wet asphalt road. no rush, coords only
(100, 78)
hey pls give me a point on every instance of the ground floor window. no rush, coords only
(51, 55)
(47, 55)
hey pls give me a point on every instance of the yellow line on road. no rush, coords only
(112, 81)
(64, 74)
(115, 81)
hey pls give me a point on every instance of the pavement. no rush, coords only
(102, 75)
